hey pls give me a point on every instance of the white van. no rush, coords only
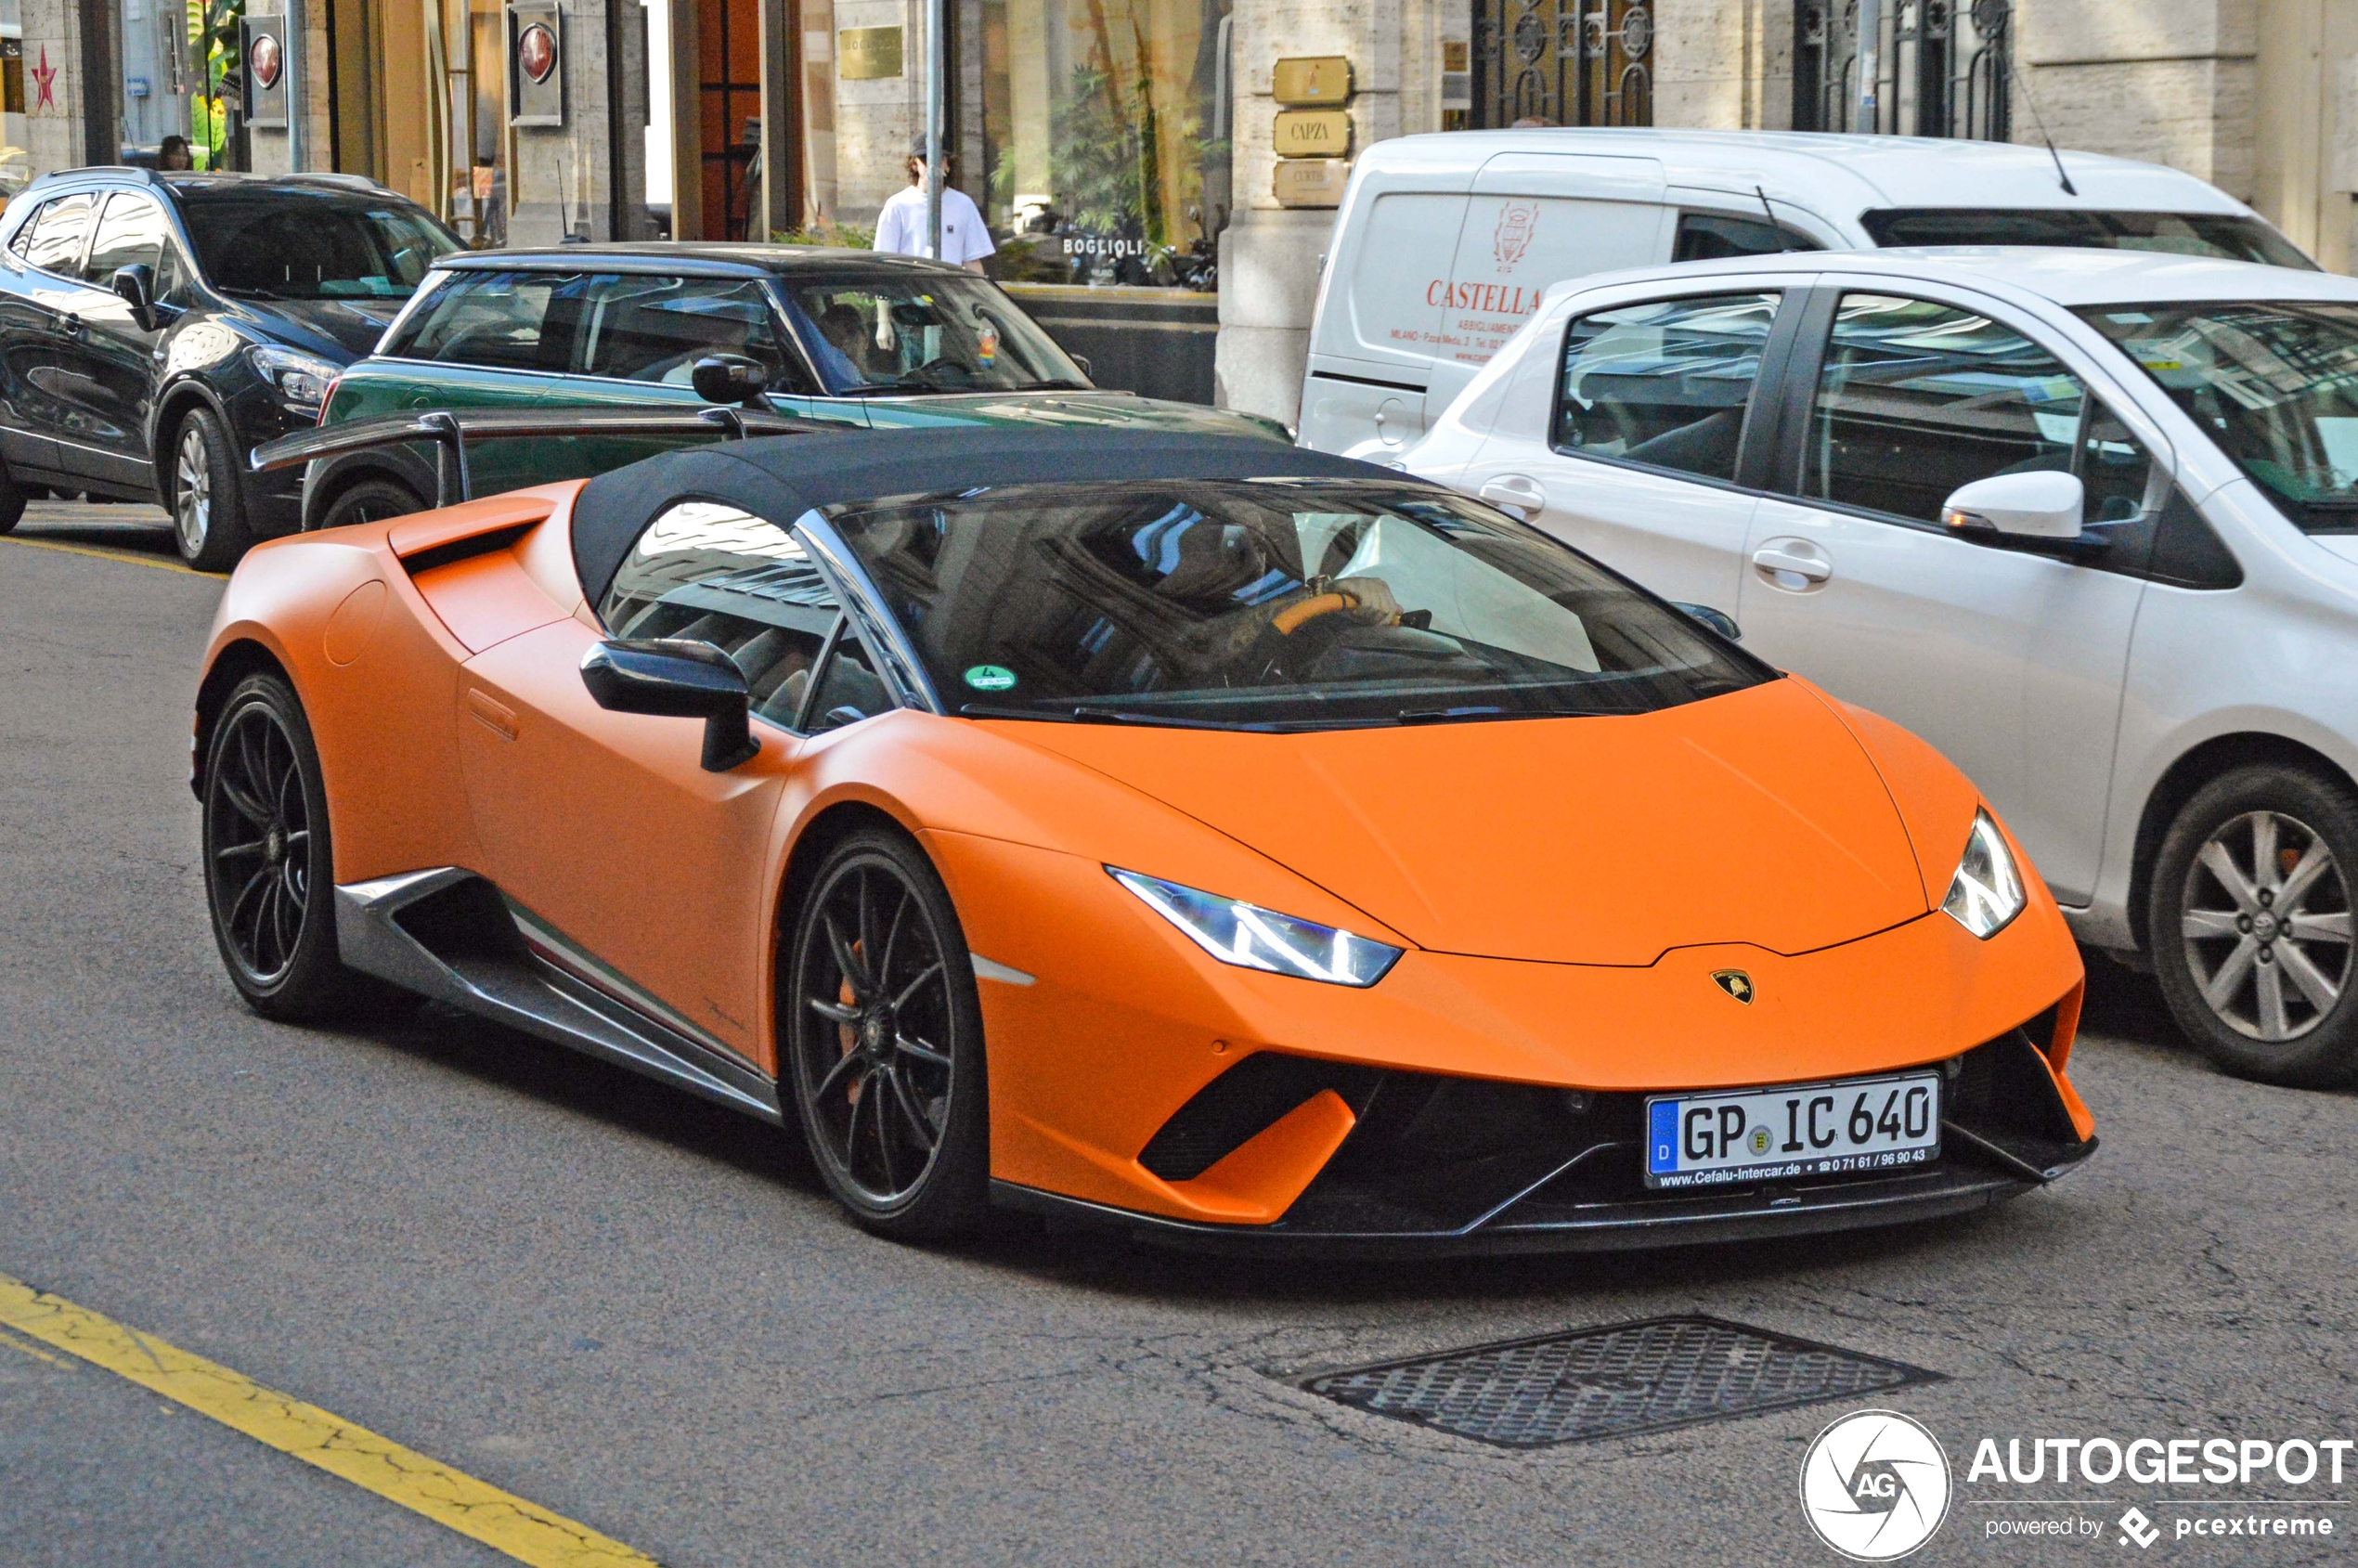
(1444, 243)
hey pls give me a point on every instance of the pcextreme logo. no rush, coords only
(1874, 1485)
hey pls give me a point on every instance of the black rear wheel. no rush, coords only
(884, 1041)
(269, 864)
(371, 501)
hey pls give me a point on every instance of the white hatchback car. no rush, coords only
(2085, 519)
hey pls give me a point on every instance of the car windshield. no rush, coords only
(922, 332)
(2224, 235)
(300, 245)
(1270, 605)
(2276, 385)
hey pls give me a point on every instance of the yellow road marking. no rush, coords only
(33, 1351)
(133, 556)
(499, 1519)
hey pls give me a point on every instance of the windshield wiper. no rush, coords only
(1110, 716)
(1055, 384)
(1448, 715)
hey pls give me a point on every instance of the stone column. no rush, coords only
(1270, 256)
(2166, 81)
(561, 177)
(1723, 65)
(53, 86)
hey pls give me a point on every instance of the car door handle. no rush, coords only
(492, 714)
(1799, 557)
(1515, 490)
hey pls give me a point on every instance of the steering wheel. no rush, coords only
(1294, 617)
(944, 371)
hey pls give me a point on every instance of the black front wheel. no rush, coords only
(207, 507)
(884, 1041)
(267, 860)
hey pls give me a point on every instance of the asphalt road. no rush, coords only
(641, 1312)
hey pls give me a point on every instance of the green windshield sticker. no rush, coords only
(990, 677)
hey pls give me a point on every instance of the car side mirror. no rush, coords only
(2039, 505)
(1083, 360)
(729, 378)
(1719, 621)
(676, 677)
(135, 286)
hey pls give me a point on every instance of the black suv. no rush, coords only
(155, 328)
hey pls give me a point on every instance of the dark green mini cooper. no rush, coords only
(869, 340)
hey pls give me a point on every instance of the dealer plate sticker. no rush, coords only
(1796, 1130)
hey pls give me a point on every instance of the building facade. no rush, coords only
(1126, 152)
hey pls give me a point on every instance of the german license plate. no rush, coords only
(1797, 1129)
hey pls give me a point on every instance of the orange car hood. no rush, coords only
(1755, 817)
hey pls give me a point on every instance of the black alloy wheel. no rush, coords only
(2250, 922)
(208, 504)
(267, 860)
(371, 501)
(884, 1040)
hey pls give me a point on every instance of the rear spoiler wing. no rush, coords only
(451, 431)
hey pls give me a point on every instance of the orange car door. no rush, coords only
(630, 865)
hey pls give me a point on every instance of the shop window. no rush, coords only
(1102, 162)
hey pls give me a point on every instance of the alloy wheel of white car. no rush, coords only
(2266, 921)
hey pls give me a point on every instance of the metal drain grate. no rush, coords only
(1616, 1381)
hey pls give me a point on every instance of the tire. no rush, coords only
(268, 861)
(2249, 920)
(879, 1061)
(12, 499)
(371, 501)
(208, 503)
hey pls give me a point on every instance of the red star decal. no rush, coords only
(44, 80)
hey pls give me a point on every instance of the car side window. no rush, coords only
(848, 688)
(131, 233)
(1916, 398)
(711, 573)
(58, 234)
(1663, 383)
(1710, 236)
(656, 329)
(495, 319)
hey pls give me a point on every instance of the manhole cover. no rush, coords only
(1616, 1382)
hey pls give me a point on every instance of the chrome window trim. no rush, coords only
(426, 285)
(779, 323)
(864, 606)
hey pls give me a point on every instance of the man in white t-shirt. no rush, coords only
(901, 228)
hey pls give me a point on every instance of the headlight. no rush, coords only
(1987, 891)
(1253, 938)
(299, 380)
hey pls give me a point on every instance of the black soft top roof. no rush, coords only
(781, 477)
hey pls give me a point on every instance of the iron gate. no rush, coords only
(1567, 62)
(1910, 67)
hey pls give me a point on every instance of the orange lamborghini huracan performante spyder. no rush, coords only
(1223, 842)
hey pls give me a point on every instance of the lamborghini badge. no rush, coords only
(1735, 982)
